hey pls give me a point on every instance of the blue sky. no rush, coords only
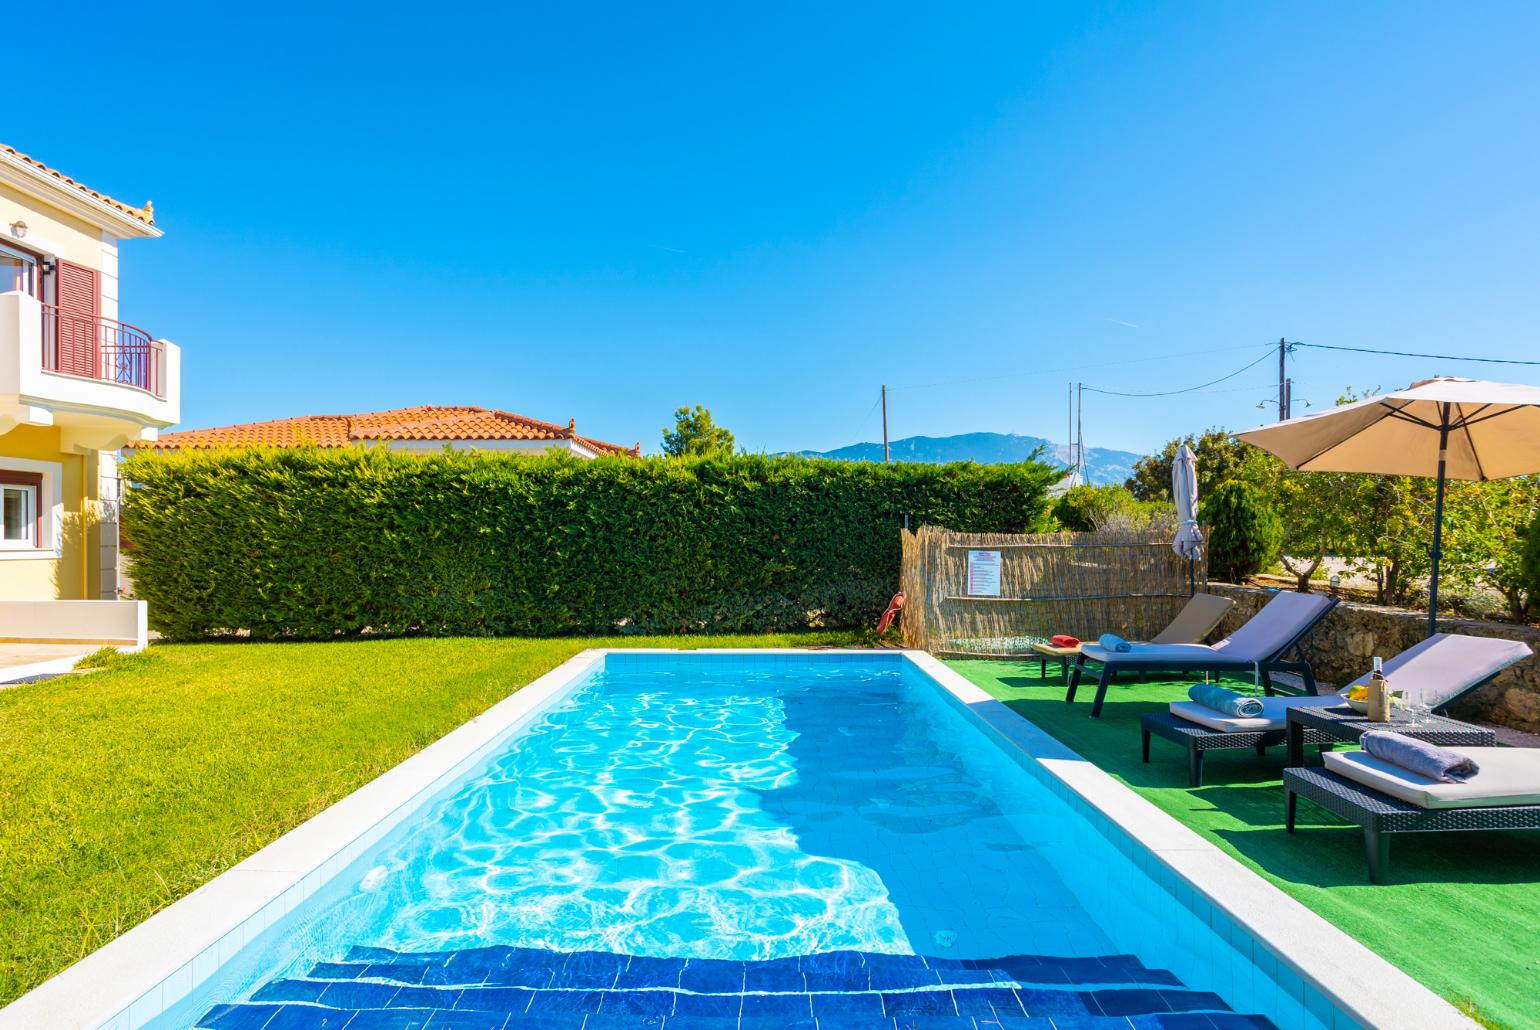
(604, 212)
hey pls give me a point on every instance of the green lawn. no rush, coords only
(1462, 914)
(123, 790)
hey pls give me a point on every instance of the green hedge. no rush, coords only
(316, 544)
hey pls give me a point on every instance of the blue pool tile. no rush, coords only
(709, 1006)
(711, 976)
(1236, 1021)
(588, 971)
(836, 971)
(899, 972)
(1133, 1001)
(496, 999)
(1036, 1002)
(918, 1003)
(361, 953)
(400, 972)
(1190, 1001)
(308, 1017)
(291, 990)
(524, 967)
(766, 1023)
(1173, 1021)
(355, 994)
(988, 1003)
(336, 971)
(638, 1004)
(461, 1019)
(847, 1007)
(785, 1007)
(424, 998)
(1023, 1023)
(648, 971)
(391, 1019)
(782, 975)
(557, 1003)
(237, 1017)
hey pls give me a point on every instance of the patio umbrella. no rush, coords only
(1184, 491)
(1464, 428)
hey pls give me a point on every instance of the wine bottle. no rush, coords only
(1379, 694)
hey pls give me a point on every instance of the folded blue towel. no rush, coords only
(1113, 642)
(1212, 695)
(1419, 756)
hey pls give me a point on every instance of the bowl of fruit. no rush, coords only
(1358, 699)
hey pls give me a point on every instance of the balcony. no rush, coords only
(102, 382)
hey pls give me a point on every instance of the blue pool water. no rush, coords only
(709, 844)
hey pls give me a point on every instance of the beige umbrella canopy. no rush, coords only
(1465, 428)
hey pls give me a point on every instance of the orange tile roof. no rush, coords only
(427, 422)
(145, 214)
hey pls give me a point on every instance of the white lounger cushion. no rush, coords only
(1446, 665)
(1274, 711)
(1144, 652)
(1508, 776)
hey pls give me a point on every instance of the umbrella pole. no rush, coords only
(1438, 524)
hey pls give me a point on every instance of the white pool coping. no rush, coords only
(138, 974)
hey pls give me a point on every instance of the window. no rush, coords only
(21, 519)
(18, 270)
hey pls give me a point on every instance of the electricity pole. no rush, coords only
(884, 423)
(1283, 381)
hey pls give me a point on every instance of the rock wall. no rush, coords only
(1341, 648)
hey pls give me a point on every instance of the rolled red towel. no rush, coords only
(1064, 640)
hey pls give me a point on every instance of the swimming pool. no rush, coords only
(709, 840)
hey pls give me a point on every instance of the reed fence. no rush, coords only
(1128, 582)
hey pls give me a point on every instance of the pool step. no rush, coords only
(526, 987)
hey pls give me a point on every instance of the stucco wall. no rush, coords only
(1341, 648)
(55, 233)
(69, 569)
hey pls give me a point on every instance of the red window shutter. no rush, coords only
(79, 292)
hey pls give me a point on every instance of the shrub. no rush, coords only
(1529, 565)
(1244, 531)
(316, 544)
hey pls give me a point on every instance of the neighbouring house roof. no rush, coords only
(428, 423)
(144, 214)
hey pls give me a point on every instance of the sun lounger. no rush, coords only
(1258, 647)
(1386, 799)
(1195, 621)
(1433, 672)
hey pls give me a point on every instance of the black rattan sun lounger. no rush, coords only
(1259, 647)
(1381, 815)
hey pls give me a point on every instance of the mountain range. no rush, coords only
(1102, 465)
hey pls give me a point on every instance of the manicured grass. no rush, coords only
(123, 790)
(1462, 914)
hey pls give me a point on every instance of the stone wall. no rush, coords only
(1341, 648)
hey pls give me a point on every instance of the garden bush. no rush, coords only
(314, 544)
(1244, 531)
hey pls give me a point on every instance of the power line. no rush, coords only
(1413, 354)
(1042, 371)
(1189, 389)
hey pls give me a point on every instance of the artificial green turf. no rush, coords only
(123, 790)
(1462, 913)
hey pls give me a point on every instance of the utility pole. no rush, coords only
(1283, 382)
(1069, 427)
(884, 423)
(1080, 430)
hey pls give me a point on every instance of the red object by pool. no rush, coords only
(894, 607)
(1064, 640)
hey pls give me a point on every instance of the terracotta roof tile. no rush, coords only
(145, 214)
(427, 423)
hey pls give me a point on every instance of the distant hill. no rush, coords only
(1102, 465)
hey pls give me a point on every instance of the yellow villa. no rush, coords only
(76, 384)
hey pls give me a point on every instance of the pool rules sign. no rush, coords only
(983, 573)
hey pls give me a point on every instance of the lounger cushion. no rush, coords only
(1274, 711)
(1176, 653)
(1439, 669)
(1269, 630)
(1508, 776)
